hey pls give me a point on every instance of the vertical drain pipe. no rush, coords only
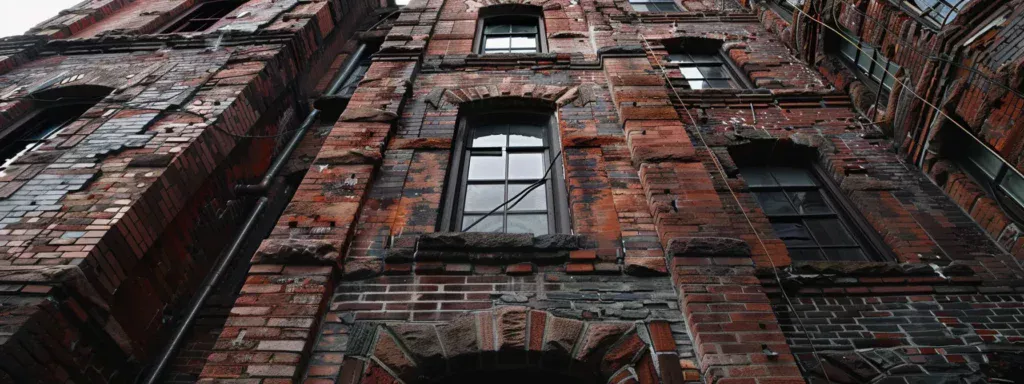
(211, 281)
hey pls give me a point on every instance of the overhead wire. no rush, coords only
(927, 55)
(906, 88)
(521, 195)
(743, 211)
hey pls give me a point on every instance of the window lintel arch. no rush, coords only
(506, 149)
(510, 28)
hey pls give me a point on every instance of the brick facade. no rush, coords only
(672, 271)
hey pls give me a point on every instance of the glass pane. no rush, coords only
(878, 72)
(679, 58)
(829, 232)
(666, 7)
(1013, 185)
(691, 73)
(536, 200)
(491, 224)
(497, 43)
(525, 166)
(865, 58)
(497, 29)
(524, 42)
(486, 167)
(526, 136)
(758, 177)
(774, 203)
(484, 197)
(705, 58)
(805, 255)
(720, 84)
(535, 224)
(640, 7)
(716, 72)
(696, 84)
(793, 234)
(524, 28)
(793, 177)
(489, 136)
(808, 202)
(848, 50)
(845, 254)
(983, 158)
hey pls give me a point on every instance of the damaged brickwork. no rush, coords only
(669, 270)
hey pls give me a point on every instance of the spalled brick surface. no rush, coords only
(109, 226)
(672, 272)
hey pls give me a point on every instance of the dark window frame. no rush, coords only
(927, 16)
(867, 239)
(867, 76)
(993, 181)
(658, 3)
(16, 142)
(734, 72)
(457, 180)
(189, 16)
(483, 21)
(784, 8)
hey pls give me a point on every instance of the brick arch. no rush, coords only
(512, 338)
(554, 95)
(482, 4)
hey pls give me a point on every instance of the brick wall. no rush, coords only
(109, 227)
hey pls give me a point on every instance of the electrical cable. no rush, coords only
(521, 195)
(725, 179)
(906, 87)
(924, 54)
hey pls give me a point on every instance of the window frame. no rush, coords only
(13, 134)
(677, 6)
(735, 73)
(185, 18)
(866, 75)
(993, 182)
(457, 179)
(479, 39)
(927, 16)
(784, 8)
(864, 235)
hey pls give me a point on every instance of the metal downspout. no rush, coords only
(171, 348)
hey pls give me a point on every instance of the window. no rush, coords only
(1001, 182)
(202, 17)
(703, 71)
(512, 34)
(353, 79)
(504, 154)
(52, 114)
(940, 12)
(807, 214)
(785, 8)
(654, 5)
(869, 62)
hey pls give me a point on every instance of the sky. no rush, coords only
(17, 16)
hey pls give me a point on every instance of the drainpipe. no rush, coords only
(211, 281)
(350, 65)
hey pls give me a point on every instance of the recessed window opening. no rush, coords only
(869, 62)
(701, 64)
(1000, 180)
(54, 111)
(511, 28)
(808, 211)
(508, 156)
(940, 12)
(654, 6)
(203, 16)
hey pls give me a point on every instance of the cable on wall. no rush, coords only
(725, 178)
